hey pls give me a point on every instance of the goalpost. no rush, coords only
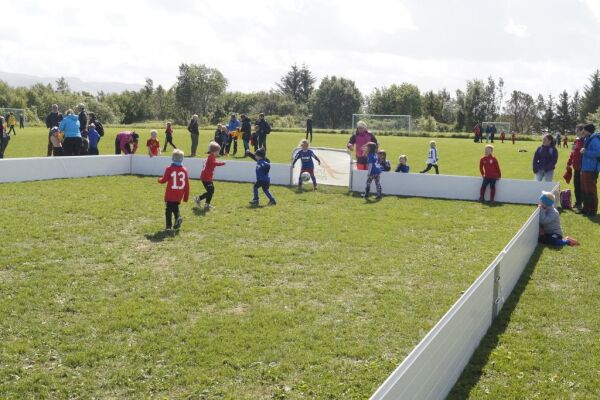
(390, 124)
(4, 111)
(500, 127)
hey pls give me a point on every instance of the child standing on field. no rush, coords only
(383, 161)
(178, 189)
(373, 169)
(432, 158)
(93, 138)
(490, 171)
(153, 145)
(402, 164)
(513, 136)
(565, 141)
(206, 176)
(169, 137)
(305, 155)
(262, 176)
(550, 229)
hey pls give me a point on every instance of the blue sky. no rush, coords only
(536, 46)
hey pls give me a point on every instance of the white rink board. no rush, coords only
(43, 168)
(334, 170)
(433, 367)
(515, 191)
(234, 171)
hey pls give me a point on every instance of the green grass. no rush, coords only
(457, 156)
(320, 296)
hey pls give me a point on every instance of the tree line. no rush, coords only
(202, 90)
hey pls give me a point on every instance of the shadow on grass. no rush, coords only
(161, 235)
(200, 211)
(474, 370)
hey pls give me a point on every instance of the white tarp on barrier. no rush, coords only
(335, 168)
(42, 168)
(432, 368)
(453, 187)
(234, 171)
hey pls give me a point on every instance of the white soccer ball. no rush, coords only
(305, 176)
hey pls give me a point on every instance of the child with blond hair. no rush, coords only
(383, 161)
(402, 164)
(153, 145)
(206, 176)
(432, 158)
(305, 155)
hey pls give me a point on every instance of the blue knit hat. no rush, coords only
(547, 199)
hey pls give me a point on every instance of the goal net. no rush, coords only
(335, 168)
(388, 124)
(500, 127)
(5, 111)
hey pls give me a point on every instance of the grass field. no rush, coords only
(144, 316)
(319, 297)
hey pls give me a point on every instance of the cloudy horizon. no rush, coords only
(538, 47)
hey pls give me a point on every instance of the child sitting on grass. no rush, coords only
(262, 176)
(305, 155)
(206, 176)
(178, 189)
(402, 164)
(490, 172)
(550, 229)
(432, 158)
(383, 161)
(373, 169)
(153, 145)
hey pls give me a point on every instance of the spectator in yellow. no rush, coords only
(11, 122)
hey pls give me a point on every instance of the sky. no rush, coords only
(537, 46)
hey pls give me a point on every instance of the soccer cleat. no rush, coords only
(253, 202)
(571, 241)
(272, 203)
(208, 207)
(178, 223)
(378, 197)
(197, 200)
(315, 188)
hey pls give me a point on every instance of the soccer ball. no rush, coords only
(305, 176)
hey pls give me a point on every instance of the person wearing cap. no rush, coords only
(52, 120)
(590, 166)
(551, 232)
(357, 141)
(178, 189)
(72, 141)
(194, 130)
(124, 142)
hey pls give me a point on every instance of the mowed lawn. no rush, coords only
(321, 296)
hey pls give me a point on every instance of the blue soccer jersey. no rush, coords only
(306, 156)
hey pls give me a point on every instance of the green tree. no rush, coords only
(522, 111)
(297, 83)
(591, 95)
(62, 86)
(575, 108)
(564, 121)
(334, 102)
(549, 117)
(198, 88)
(396, 100)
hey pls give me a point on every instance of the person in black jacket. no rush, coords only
(263, 131)
(83, 118)
(53, 119)
(194, 130)
(246, 133)
(309, 127)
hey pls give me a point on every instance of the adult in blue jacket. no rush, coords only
(232, 127)
(590, 166)
(70, 127)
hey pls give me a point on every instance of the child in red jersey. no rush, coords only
(206, 176)
(169, 137)
(153, 145)
(490, 171)
(178, 189)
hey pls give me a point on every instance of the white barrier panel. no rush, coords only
(432, 368)
(453, 187)
(335, 168)
(234, 171)
(43, 168)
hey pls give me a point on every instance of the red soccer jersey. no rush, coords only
(153, 145)
(209, 168)
(489, 167)
(178, 183)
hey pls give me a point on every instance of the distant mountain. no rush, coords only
(76, 84)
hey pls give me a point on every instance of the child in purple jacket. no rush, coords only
(545, 159)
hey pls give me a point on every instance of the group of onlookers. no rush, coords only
(11, 122)
(73, 134)
(227, 135)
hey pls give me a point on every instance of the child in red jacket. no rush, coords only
(490, 171)
(178, 189)
(206, 176)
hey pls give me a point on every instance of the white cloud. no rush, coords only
(594, 7)
(518, 30)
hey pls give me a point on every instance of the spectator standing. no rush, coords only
(264, 128)
(232, 127)
(70, 126)
(93, 119)
(590, 166)
(544, 159)
(52, 119)
(575, 163)
(21, 121)
(194, 130)
(357, 141)
(309, 128)
(83, 118)
(11, 122)
(4, 137)
(246, 133)
(493, 131)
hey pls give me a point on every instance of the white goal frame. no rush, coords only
(358, 117)
(498, 131)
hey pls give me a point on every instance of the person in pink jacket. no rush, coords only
(357, 141)
(126, 142)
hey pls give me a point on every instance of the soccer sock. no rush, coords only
(314, 180)
(492, 193)
(482, 192)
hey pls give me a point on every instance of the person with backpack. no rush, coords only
(97, 124)
(590, 166)
(263, 130)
